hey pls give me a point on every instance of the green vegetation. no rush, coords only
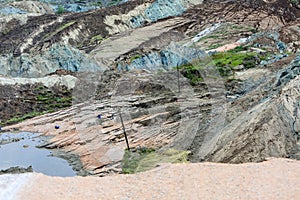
(135, 57)
(214, 46)
(60, 10)
(295, 2)
(22, 118)
(264, 56)
(43, 101)
(236, 27)
(226, 62)
(55, 102)
(113, 2)
(61, 28)
(147, 158)
(160, 71)
(192, 73)
(239, 49)
(209, 37)
(5, 31)
(253, 30)
(97, 39)
(97, 4)
(49, 104)
(52, 101)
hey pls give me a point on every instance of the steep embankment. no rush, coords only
(23, 98)
(266, 123)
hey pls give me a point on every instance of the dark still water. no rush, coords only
(19, 150)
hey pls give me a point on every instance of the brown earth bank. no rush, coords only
(31, 102)
(26, 98)
(273, 179)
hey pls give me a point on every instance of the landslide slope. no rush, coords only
(33, 46)
(243, 105)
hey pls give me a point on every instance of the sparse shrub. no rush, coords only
(238, 49)
(45, 100)
(192, 73)
(60, 10)
(294, 2)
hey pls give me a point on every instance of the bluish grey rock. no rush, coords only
(160, 9)
(174, 55)
(10, 10)
(137, 21)
(59, 56)
(164, 8)
(290, 72)
(81, 6)
(68, 5)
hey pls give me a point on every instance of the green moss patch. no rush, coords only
(146, 159)
(97, 39)
(225, 62)
(137, 56)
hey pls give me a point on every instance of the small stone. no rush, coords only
(57, 127)
(112, 117)
(239, 67)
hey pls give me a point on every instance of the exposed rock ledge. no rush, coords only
(49, 81)
(274, 179)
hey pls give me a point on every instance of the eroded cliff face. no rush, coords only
(42, 35)
(58, 56)
(103, 35)
(267, 125)
(233, 98)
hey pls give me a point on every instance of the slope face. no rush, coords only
(236, 106)
(33, 41)
(269, 128)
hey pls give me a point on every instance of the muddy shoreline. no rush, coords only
(16, 170)
(72, 159)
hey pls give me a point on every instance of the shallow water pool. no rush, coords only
(19, 150)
